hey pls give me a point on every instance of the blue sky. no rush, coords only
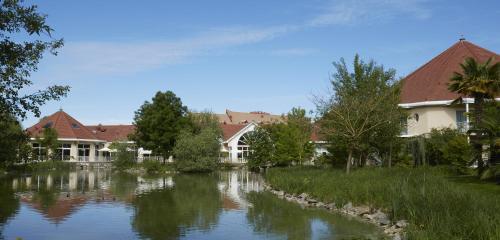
(240, 55)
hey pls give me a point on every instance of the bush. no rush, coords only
(458, 153)
(124, 158)
(197, 152)
(151, 166)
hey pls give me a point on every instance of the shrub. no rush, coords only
(458, 153)
(124, 157)
(197, 152)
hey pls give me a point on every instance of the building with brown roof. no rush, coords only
(78, 142)
(232, 117)
(425, 91)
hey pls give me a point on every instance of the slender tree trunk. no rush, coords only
(390, 156)
(349, 159)
(478, 146)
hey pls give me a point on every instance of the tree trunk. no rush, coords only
(390, 156)
(349, 159)
(478, 146)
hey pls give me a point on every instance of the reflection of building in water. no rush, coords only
(235, 184)
(147, 185)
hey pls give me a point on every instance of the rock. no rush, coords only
(331, 206)
(312, 200)
(401, 223)
(397, 237)
(381, 218)
(361, 210)
(320, 205)
(280, 193)
(303, 195)
(348, 206)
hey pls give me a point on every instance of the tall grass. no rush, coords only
(435, 206)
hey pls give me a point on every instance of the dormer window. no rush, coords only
(48, 125)
(74, 125)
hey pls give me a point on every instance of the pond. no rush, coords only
(99, 204)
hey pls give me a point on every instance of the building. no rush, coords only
(425, 91)
(78, 143)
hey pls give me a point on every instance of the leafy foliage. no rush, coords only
(19, 59)
(49, 141)
(158, 123)
(362, 112)
(125, 158)
(198, 149)
(482, 82)
(13, 141)
(262, 148)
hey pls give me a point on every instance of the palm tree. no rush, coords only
(481, 82)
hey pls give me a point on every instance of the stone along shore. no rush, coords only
(365, 213)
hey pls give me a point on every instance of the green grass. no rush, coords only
(437, 205)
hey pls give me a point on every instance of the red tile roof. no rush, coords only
(229, 130)
(430, 81)
(65, 125)
(112, 133)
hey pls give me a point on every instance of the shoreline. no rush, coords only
(364, 213)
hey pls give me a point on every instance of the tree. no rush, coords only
(125, 158)
(49, 141)
(197, 149)
(491, 124)
(158, 123)
(12, 141)
(301, 128)
(261, 149)
(361, 107)
(18, 59)
(480, 81)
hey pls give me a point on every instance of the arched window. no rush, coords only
(243, 147)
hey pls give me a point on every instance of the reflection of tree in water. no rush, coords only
(194, 202)
(270, 214)
(123, 186)
(9, 204)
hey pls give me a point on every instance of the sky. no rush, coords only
(258, 55)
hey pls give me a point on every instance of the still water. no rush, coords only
(99, 204)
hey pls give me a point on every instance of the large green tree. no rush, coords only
(262, 149)
(25, 37)
(362, 106)
(480, 81)
(159, 122)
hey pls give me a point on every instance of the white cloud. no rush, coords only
(127, 57)
(355, 11)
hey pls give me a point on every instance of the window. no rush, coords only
(461, 121)
(404, 126)
(39, 153)
(83, 152)
(63, 152)
(243, 149)
(47, 125)
(74, 125)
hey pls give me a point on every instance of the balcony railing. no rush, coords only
(83, 158)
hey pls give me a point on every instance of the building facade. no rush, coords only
(426, 96)
(77, 142)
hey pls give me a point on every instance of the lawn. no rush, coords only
(437, 204)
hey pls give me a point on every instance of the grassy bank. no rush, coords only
(437, 205)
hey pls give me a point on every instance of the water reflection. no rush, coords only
(221, 205)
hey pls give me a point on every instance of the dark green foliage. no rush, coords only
(198, 148)
(281, 144)
(491, 124)
(158, 123)
(458, 153)
(482, 82)
(434, 143)
(49, 141)
(197, 152)
(434, 204)
(13, 142)
(262, 147)
(151, 166)
(18, 59)
(125, 158)
(362, 113)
